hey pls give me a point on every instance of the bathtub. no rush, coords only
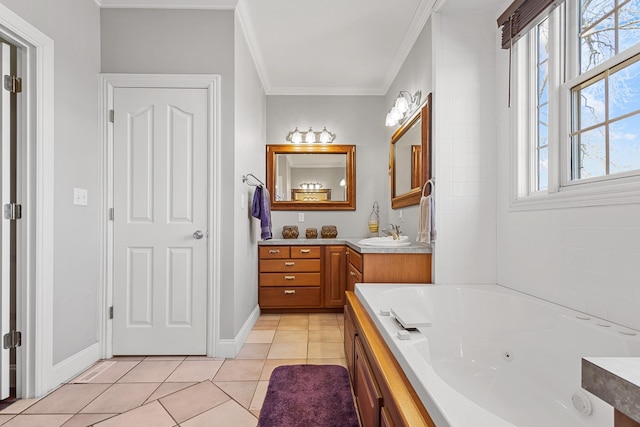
(495, 357)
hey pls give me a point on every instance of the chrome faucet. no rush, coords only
(395, 231)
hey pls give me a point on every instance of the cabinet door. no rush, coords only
(353, 276)
(335, 279)
(349, 337)
(368, 394)
(385, 418)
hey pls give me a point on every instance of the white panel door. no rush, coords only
(5, 225)
(160, 221)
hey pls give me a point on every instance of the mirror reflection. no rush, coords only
(408, 159)
(311, 176)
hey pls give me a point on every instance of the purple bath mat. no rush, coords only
(308, 395)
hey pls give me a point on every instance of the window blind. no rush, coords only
(521, 16)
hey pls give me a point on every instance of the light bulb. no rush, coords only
(396, 115)
(311, 137)
(402, 106)
(325, 136)
(296, 138)
(389, 120)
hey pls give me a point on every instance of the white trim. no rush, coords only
(229, 348)
(211, 82)
(246, 24)
(35, 234)
(76, 364)
(168, 4)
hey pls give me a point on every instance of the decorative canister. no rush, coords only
(290, 232)
(329, 231)
(312, 233)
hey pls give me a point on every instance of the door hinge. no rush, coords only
(111, 214)
(12, 211)
(111, 312)
(12, 339)
(112, 116)
(13, 84)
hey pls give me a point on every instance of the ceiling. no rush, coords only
(327, 47)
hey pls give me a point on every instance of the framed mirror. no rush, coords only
(410, 158)
(310, 177)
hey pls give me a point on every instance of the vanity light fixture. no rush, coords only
(324, 137)
(404, 105)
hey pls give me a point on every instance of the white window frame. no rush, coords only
(562, 192)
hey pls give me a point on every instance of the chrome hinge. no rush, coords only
(13, 84)
(12, 211)
(112, 116)
(111, 312)
(12, 340)
(111, 214)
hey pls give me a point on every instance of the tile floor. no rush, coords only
(186, 391)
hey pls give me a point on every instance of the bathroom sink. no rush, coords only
(385, 241)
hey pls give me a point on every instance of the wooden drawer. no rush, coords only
(283, 297)
(354, 276)
(305, 252)
(270, 252)
(355, 258)
(289, 279)
(287, 265)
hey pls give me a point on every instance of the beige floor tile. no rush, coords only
(37, 420)
(290, 336)
(150, 371)
(195, 371)
(121, 398)
(166, 389)
(5, 418)
(270, 316)
(158, 358)
(255, 412)
(288, 350)
(258, 396)
(293, 324)
(240, 391)
(110, 375)
(271, 364)
(193, 401)
(331, 350)
(327, 361)
(325, 335)
(84, 420)
(253, 351)
(68, 399)
(265, 325)
(264, 337)
(18, 406)
(227, 414)
(151, 415)
(322, 324)
(192, 358)
(322, 316)
(240, 370)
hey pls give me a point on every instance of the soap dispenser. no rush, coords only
(374, 219)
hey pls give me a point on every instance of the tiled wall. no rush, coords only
(465, 148)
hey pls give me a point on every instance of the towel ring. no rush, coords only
(424, 187)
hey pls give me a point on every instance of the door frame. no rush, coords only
(210, 82)
(35, 134)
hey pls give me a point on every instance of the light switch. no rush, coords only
(80, 197)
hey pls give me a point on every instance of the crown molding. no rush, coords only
(169, 4)
(246, 24)
(424, 10)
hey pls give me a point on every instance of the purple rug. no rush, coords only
(308, 395)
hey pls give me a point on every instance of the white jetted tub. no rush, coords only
(495, 357)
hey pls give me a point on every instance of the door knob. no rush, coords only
(198, 234)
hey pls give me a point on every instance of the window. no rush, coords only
(577, 100)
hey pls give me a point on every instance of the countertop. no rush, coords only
(616, 380)
(352, 242)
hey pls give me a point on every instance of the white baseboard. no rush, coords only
(72, 366)
(229, 348)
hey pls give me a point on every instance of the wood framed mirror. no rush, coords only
(312, 177)
(410, 158)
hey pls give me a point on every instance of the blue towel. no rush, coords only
(261, 208)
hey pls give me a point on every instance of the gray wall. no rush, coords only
(76, 251)
(357, 120)
(185, 41)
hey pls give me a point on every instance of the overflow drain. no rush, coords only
(581, 403)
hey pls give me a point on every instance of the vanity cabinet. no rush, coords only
(335, 278)
(387, 268)
(374, 373)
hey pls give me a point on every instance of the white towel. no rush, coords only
(426, 220)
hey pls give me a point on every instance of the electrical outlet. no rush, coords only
(400, 216)
(300, 216)
(80, 197)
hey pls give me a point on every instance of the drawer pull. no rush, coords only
(352, 273)
(305, 251)
(289, 264)
(289, 291)
(274, 251)
(289, 277)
